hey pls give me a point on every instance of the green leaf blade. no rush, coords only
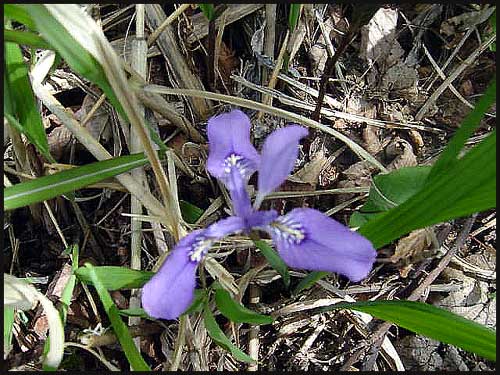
(115, 278)
(21, 100)
(25, 38)
(459, 191)
(18, 13)
(392, 189)
(431, 321)
(133, 355)
(190, 212)
(274, 260)
(218, 336)
(293, 16)
(48, 187)
(236, 312)
(8, 325)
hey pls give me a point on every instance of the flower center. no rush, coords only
(199, 249)
(239, 162)
(288, 230)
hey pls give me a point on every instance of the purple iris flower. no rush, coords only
(305, 238)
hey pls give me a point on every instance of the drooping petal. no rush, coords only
(308, 239)
(230, 146)
(171, 290)
(278, 157)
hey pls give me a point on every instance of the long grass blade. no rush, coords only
(47, 187)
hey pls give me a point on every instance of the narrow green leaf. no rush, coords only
(18, 13)
(25, 38)
(293, 16)
(200, 298)
(453, 188)
(309, 281)
(218, 336)
(121, 331)
(116, 278)
(8, 322)
(449, 156)
(47, 187)
(467, 187)
(358, 219)
(70, 285)
(430, 321)
(21, 99)
(190, 212)
(208, 10)
(274, 260)
(137, 311)
(236, 312)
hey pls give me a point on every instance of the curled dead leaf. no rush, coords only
(402, 151)
(412, 248)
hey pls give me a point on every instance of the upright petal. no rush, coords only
(278, 157)
(308, 239)
(230, 146)
(171, 290)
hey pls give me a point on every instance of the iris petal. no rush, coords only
(171, 290)
(229, 134)
(278, 157)
(308, 239)
(260, 219)
(236, 185)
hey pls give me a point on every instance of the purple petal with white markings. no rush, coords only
(230, 147)
(308, 239)
(278, 157)
(171, 290)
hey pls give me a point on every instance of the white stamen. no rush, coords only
(288, 230)
(199, 249)
(238, 162)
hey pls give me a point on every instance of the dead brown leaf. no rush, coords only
(372, 140)
(402, 151)
(466, 20)
(59, 139)
(357, 175)
(227, 62)
(411, 248)
(378, 35)
(98, 124)
(310, 172)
